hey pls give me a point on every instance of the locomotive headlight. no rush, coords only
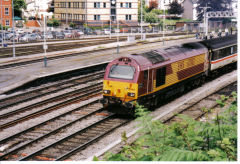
(131, 94)
(106, 91)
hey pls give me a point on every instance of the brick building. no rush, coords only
(6, 12)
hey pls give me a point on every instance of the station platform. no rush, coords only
(11, 78)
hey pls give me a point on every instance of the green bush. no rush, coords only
(186, 140)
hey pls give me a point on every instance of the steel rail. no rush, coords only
(15, 99)
(51, 132)
(45, 110)
(65, 138)
(45, 122)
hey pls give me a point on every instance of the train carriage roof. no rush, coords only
(160, 57)
(217, 43)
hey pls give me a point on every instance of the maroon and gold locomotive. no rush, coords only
(150, 77)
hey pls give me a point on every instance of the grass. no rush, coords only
(173, 22)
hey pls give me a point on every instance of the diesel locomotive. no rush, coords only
(150, 77)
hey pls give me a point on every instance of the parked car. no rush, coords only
(89, 31)
(98, 32)
(33, 37)
(67, 34)
(20, 31)
(8, 35)
(106, 31)
(80, 32)
(24, 38)
(10, 29)
(49, 35)
(29, 37)
(59, 35)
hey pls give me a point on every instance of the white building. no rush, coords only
(37, 8)
(97, 12)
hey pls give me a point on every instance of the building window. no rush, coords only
(69, 4)
(63, 4)
(96, 4)
(7, 23)
(75, 4)
(96, 17)
(6, 11)
(121, 4)
(128, 5)
(104, 4)
(128, 17)
(83, 5)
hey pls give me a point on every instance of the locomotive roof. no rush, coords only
(217, 43)
(164, 56)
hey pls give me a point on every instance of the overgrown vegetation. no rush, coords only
(188, 140)
(53, 22)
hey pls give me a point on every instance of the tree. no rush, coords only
(175, 8)
(51, 7)
(153, 5)
(151, 18)
(73, 25)
(214, 5)
(18, 6)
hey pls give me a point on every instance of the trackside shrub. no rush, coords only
(186, 140)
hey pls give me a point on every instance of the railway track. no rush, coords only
(25, 141)
(69, 145)
(17, 145)
(49, 89)
(29, 50)
(196, 111)
(9, 117)
(32, 61)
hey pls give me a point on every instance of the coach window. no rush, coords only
(215, 55)
(231, 50)
(235, 49)
(160, 76)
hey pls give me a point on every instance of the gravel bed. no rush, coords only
(29, 123)
(24, 104)
(63, 133)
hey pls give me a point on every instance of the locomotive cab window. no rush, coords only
(160, 76)
(125, 72)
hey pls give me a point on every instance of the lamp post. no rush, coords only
(110, 34)
(2, 22)
(66, 14)
(44, 43)
(13, 30)
(118, 37)
(141, 20)
(164, 17)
